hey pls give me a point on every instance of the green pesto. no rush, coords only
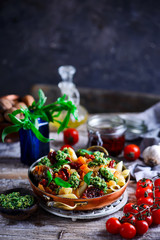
(98, 154)
(74, 180)
(15, 201)
(56, 169)
(83, 152)
(45, 161)
(99, 160)
(107, 174)
(99, 183)
(62, 155)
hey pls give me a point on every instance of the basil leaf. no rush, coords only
(15, 120)
(39, 135)
(60, 163)
(10, 129)
(49, 175)
(82, 152)
(42, 98)
(18, 111)
(87, 177)
(64, 123)
(61, 183)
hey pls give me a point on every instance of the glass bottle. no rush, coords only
(67, 87)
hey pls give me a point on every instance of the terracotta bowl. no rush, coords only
(19, 214)
(51, 200)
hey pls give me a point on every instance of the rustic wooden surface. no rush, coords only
(44, 225)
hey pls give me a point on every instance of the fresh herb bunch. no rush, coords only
(48, 113)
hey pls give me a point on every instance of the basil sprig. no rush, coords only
(37, 110)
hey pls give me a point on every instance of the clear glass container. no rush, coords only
(68, 88)
(107, 131)
(135, 127)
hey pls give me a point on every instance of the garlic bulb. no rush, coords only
(151, 155)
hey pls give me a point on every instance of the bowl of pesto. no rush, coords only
(18, 203)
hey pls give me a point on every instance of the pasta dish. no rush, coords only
(82, 174)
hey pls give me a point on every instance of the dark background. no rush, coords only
(114, 45)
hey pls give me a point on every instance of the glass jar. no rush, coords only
(107, 131)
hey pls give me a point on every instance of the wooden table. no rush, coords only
(46, 226)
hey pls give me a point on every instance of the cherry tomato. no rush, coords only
(144, 192)
(156, 216)
(146, 214)
(144, 206)
(131, 152)
(130, 208)
(157, 194)
(148, 219)
(127, 230)
(157, 183)
(130, 218)
(113, 225)
(144, 182)
(157, 197)
(145, 200)
(141, 227)
(70, 136)
(52, 156)
(66, 146)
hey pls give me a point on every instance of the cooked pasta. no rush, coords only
(81, 174)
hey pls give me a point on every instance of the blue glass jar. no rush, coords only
(31, 147)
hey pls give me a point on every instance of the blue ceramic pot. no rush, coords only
(31, 148)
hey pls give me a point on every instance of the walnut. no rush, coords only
(28, 100)
(5, 104)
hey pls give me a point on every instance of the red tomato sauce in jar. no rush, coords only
(107, 132)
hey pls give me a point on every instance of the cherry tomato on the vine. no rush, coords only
(157, 197)
(113, 225)
(70, 136)
(145, 182)
(156, 216)
(157, 183)
(145, 200)
(145, 206)
(131, 152)
(130, 208)
(145, 214)
(127, 230)
(144, 192)
(66, 146)
(148, 219)
(130, 218)
(141, 227)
